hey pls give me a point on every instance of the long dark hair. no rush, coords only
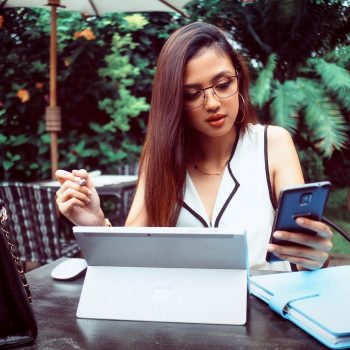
(163, 156)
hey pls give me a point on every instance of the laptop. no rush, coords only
(188, 275)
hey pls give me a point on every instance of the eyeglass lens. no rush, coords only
(223, 88)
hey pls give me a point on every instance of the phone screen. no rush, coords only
(307, 200)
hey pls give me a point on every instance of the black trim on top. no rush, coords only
(228, 200)
(195, 214)
(293, 267)
(267, 173)
(234, 147)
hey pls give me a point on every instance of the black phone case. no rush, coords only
(307, 200)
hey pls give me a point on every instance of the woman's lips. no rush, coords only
(216, 120)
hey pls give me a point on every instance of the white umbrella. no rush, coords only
(93, 7)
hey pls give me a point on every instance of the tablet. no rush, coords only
(192, 275)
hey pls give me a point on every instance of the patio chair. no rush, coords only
(32, 218)
(116, 203)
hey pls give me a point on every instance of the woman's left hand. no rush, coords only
(315, 250)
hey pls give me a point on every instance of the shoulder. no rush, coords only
(277, 133)
(279, 139)
(274, 134)
(252, 132)
(284, 164)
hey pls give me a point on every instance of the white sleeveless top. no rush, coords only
(244, 200)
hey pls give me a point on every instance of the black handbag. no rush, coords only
(17, 322)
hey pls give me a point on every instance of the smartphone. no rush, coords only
(308, 201)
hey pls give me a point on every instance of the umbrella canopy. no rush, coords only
(92, 7)
(99, 7)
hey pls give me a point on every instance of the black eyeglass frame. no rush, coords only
(212, 87)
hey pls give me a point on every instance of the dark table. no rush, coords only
(55, 304)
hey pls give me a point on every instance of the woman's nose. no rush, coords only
(211, 101)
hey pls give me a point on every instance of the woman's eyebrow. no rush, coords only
(214, 79)
(222, 74)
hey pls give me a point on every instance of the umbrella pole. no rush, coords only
(53, 115)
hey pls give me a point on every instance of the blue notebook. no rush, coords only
(316, 301)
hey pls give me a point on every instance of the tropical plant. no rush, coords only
(318, 95)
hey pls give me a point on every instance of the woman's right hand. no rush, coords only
(80, 204)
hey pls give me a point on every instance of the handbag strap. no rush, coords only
(3, 218)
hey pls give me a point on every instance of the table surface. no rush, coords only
(118, 188)
(107, 185)
(100, 181)
(55, 304)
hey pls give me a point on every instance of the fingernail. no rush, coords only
(82, 182)
(89, 192)
(300, 221)
(277, 234)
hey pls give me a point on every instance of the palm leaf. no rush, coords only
(286, 100)
(326, 123)
(336, 79)
(341, 55)
(261, 90)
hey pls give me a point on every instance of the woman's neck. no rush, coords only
(213, 151)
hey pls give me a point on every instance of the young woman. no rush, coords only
(206, 161)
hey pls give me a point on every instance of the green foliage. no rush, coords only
(338, 212)
(286, 99)
(340, 245)
(341, 55)
(337, 168)
(319, 2)
(323, 118)
(307, 96)
(134, 22)
(261, 90)
(121, 73)
(335, 78)
(312, 166)
(105, 71)
(122, 109)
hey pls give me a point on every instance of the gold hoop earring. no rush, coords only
(241, 121)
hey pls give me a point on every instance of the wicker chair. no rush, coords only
(32, 218)
(116, 203)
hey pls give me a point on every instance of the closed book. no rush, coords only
(316, 301)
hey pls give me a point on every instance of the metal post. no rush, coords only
(53, 115)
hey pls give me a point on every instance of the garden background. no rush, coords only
(298, 52)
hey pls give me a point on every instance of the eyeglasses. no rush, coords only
(223, 88)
